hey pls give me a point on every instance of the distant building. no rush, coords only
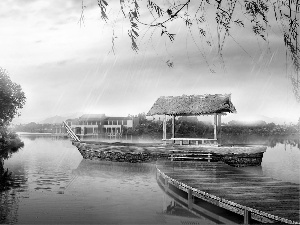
(93, 124)
(58, 129)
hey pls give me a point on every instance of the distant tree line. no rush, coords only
(34, 128)
(191, 127)
(184, 127)
(261, 128)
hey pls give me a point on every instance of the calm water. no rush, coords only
(58, 186)
(55, 185)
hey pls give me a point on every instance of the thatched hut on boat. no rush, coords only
(193, 105)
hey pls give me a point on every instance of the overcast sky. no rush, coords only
(65, 68)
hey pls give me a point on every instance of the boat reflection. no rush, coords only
(95, 168)
(253, 169)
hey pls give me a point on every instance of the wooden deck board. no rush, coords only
(252, 190)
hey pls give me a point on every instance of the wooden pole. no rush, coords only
(215, 125)
(165, 129)
(173, 127)
(220, 129)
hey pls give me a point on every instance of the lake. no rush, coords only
(55, 185)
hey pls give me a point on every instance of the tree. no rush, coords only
(202, 16)
(12, 98)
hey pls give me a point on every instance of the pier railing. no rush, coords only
(247, 212)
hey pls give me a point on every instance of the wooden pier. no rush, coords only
(254, 197)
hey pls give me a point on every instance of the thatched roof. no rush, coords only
(192, 105)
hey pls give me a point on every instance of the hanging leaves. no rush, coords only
(201, 19)
(258, 10)
(239, 23)
(258, 29)
(154, 7)
(171, 36)
(285, 11)
(223, 18)
(103, 4)
(122, 7)
(188, 22)
(202, 32)
(133, 31)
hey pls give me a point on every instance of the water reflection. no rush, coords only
(174, 210)
(253, 169)
(55, 185)
(282, 162)
(9, 199)
(9, 202)
(100, 168)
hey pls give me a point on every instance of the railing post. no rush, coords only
(247, 216)
(215, 125)
(166, 183)
(190, 198)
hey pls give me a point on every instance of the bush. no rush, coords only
(9, 143)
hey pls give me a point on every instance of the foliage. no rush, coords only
(153, 129)
(258, 139)
(12, 98)
(260, 128)
(34, 128)
(9, 143)
(5, 178)
(259, 16)
(191, 127)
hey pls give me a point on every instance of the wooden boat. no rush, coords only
(238, 156)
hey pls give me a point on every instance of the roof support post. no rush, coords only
(215, 125)
(219, 129)
(165, 129)
(173, 127)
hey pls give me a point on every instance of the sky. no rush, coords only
(65, 66)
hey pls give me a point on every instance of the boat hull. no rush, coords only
(236, 155)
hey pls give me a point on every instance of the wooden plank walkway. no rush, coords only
(266, 199)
